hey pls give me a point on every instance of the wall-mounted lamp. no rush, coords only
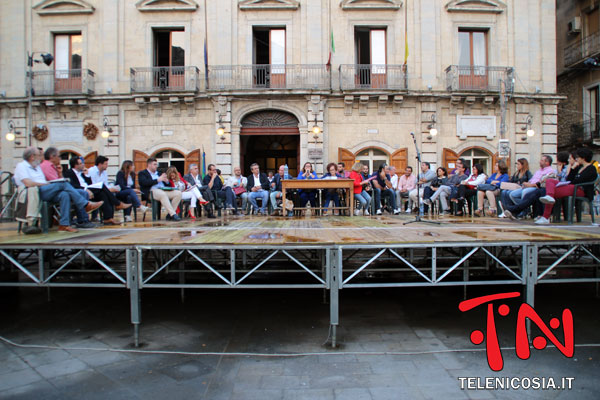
(221, 129)
(432, 129)
(12, 134)
(315, 129)
(106, 130)
(528, 127)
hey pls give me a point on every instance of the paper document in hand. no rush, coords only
(97, 185)
(564, 183)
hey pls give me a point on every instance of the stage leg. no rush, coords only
(133, 263)
(530, 264)
(334, 309)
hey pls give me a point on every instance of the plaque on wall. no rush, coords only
(315, 154)
(66, 131)
(473, 126)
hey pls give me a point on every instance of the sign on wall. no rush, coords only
(315, 154)
(473, 126)
(65, 131)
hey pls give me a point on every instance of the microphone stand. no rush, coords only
(418, 216)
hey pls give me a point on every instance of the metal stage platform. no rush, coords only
(328, 253)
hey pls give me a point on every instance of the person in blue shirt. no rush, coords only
(307, 195)
(491, 188)
(332, 194)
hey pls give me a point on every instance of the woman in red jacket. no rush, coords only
(360, 194)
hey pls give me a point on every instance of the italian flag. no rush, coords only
(331, 51)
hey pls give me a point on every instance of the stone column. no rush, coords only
(310, 140)
(223, 145)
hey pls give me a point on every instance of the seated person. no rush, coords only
(467, 187)
(152, 182)
(188, 192)
(238, 184)
(342, 171)
(276, 192)
(29, 174)
(98, 174)
(125, 180)
(440, 180)
(194, 178)
(258, 187)
(406, 183)
(425, 178)
(582, 171)
(307, 195)
(512, 197)
(213, 181)
(331, 194)
(53, 170)
(359, 189)
(382, 187)
(491, 188)
(449, 188)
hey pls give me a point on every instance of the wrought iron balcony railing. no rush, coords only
(478, 78)
(269, 76)
(586, 132)
(582, 49)
(63, 82)
(165, 79)
(372, 76)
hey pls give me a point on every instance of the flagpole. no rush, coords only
(405, 44)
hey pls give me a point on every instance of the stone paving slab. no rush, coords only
(380, 321)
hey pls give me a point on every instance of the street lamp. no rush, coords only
(12, 134)
(107, 130)
(316, 129)
(432, 129)
(528, 127)
(47, 59)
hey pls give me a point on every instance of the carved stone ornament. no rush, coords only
(479, 6)
(371, 4)
(257, 5)
(40, 132)
(90, 131)
(166, 5)
(62, 7)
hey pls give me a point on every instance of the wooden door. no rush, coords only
(277, 58)
(140, 161)
(449, 157)
(378, 58)
(193, 157)
(90, 159)
(399, 159)
(347, 157)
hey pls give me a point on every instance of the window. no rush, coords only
(170, 158)
(477, 156)
(269, 57)
(592, 22)
(472, 59)
(373, 158)
(371, 56)
(169, 57)
(67, 62)
(592, 116)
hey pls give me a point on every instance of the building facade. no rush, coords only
(164, 78)
(578, 69)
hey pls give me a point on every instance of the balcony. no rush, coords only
(372, 76)
(582, 49)
(470, 78)
(269, 76)
(63, 82)
(165, 79)
(586, 132)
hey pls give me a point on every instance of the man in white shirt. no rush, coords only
(98, 174)
(258, 187)
(426, 176)
(29, 174)
(238, 181)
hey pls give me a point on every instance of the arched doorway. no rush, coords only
(88, 160)
(270, 138)
(472, 155)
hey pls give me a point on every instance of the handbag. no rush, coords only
(239, 190)
(487, 186)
